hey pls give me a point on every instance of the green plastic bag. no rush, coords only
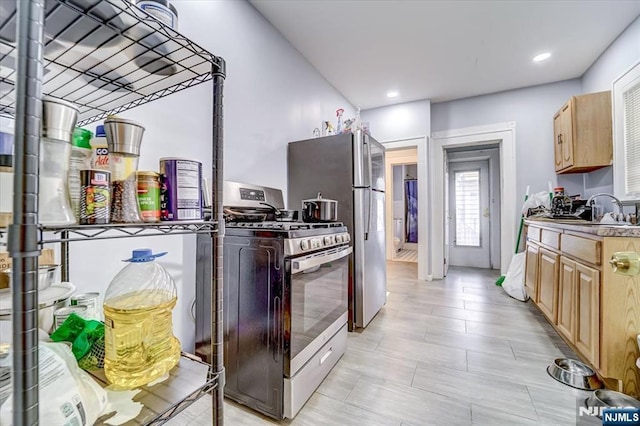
(86, 338)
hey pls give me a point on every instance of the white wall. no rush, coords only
(616, 59)
(532, 109)
(272, 95)
(401, 121)
(623, 53)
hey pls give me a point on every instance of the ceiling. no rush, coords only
(446, 50)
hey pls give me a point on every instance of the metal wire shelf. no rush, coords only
(105, 56)
(188, 381)
(113, 231)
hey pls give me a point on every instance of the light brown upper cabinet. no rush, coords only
(582, 134)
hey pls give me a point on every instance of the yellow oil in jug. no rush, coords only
(139, 343)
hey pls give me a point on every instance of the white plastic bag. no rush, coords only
(536, 200)
(513, 283)
(67, 395)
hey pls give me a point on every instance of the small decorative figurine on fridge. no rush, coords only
(327, 128)
(339, 125)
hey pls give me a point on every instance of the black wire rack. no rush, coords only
(104, 56)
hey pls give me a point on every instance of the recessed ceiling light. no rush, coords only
(392, 94)
(542, 57)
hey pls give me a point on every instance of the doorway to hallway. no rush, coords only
(402, 205)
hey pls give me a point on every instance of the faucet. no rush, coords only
(591, 202)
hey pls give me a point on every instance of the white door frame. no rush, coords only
(505, 135)
(390, 163)
(423, 197)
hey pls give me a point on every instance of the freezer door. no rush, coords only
(374, 163)
(370, 264)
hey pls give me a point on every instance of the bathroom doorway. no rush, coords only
(402, 205)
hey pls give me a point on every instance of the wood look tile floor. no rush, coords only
(452, 352)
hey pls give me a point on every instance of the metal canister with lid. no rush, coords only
(95, 197)
(149, 196)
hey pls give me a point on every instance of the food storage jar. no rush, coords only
(123, 139)
(54, 203)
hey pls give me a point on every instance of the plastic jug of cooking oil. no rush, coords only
(139, 343)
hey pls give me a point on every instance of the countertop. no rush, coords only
(586, 228)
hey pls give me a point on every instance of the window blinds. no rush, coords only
(631, 102)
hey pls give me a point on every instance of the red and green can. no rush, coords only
(149, 196)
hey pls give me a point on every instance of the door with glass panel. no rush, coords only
(469, 233)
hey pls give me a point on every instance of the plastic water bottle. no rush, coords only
(139, 343)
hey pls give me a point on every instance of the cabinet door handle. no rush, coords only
(559, 138)
(625, 263)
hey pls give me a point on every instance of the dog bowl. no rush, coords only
(46, 276)
(574, 373)
(607, 398)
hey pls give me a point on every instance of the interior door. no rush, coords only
(447, 214)
(469, 229)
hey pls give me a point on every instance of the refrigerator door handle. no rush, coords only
(358, 156)
(366, 233)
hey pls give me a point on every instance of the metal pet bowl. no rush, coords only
(46, 277)
(607, 398)
(574, 373)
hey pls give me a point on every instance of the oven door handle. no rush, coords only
(304, 264)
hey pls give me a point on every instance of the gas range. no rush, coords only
(299, 237)
(286, 295)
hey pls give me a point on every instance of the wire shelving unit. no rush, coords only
(105, 56)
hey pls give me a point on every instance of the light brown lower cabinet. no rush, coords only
(579, 307)
(531, 272)
(548, 284)
(567, 298)
(587, 337)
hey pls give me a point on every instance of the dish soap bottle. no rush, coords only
(139, 343)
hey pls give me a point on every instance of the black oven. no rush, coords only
(316, 298)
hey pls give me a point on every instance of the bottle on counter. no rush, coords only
(139, 343)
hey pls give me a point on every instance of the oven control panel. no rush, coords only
(295, 246)
(251, 194)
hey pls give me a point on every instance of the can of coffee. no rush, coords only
(90, 301)
(61, 315)
(181, 191)
(95, 197)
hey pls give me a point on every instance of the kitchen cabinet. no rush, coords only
(597, 312)
(566, 298)
(620, 321)
(579, 307)
(548, 264)
(531, 272)
(158, 62)
(587, 312)
(582, 129)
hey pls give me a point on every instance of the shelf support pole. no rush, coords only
(217, 343)
(23, 232)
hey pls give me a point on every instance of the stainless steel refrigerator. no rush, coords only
(348, 168)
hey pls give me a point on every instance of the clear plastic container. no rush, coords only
(139, 343)
(58, 121)
(124, 138)
(54, 203)
(124, 188)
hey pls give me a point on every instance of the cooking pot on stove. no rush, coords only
(319, 210)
